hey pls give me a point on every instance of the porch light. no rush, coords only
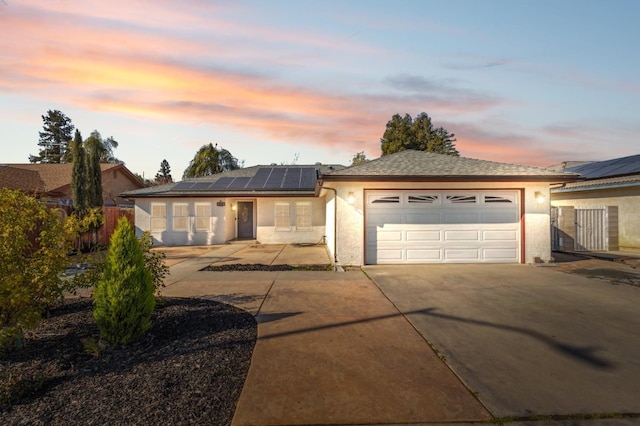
(351, 198)
(233, 207)
(540, 198)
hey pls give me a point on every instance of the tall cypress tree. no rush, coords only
(94, 173)
(79, 174)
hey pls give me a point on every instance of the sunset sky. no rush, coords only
(525, 82)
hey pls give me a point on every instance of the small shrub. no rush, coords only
(123, 298)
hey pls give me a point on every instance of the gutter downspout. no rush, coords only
(335, 225)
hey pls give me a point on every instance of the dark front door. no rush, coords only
(245, 220)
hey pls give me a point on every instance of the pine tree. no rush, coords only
(54, 139)
(164, 174)
(124, 297)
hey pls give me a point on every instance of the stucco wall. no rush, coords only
(628, 202)
(266, 232)
(350, 220)
(171, 237)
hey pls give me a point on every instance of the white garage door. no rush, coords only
(442, 227)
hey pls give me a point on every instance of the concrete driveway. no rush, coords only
(527, 340)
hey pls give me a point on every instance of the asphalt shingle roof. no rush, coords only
(412, 163)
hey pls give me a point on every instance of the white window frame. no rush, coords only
(158, 222)
(202, 218)
(282, 216)
(180, 221)
(304, 216)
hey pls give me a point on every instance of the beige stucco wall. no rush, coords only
(169, 237)
(114, 182)
(628, 202)
(223, 221)
(266, 232)
(350, 219)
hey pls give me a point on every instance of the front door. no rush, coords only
(245, 220)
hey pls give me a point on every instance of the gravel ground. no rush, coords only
(189, 368)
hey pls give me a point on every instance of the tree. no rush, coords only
(164, 174)
(54, 139)
(404, 133)
(124, 297)
(79, 174)
(359, 158)
(105, 148)
(210, 160)
(94, 149)
(34, 243)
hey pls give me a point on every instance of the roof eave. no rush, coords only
(451, 178)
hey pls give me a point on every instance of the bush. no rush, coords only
(154, 261)
(123, 298)
(34, 243)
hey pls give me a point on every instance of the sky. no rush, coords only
(517, 81)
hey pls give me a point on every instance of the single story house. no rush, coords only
(408, 207)
(603, 206)
(52, 182)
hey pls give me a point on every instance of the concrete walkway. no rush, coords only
(331, 349)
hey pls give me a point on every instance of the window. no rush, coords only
(303, 216)
(180, 216)
(391, 200)
(158, 216)
(461, 199)
(203, 216)
(282, 217)
(495, 199)
(423, 199)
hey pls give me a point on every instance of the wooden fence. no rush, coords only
(111, 216)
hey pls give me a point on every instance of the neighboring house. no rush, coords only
(52, 182)
(408, 207)
(607, 202)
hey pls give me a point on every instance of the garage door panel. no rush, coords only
(500, 254)
(390, 255)
(384, 235)
(443, 227)
(459, 254)
(499, 217)
(461, 217)
(419, 236)
(424, 255)
(461, 235)
(500, 235)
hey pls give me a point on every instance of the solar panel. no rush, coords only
(308, 179)
(182, 185)
(292, 178)
(222, 183)
(275, 179)
(260, 178)
(200, 186)
(239, 183)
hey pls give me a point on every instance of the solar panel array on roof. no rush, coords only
(615, 167)
(266, 178)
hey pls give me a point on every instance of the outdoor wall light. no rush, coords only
(351, 198)
(540, 198)
(233, 207)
